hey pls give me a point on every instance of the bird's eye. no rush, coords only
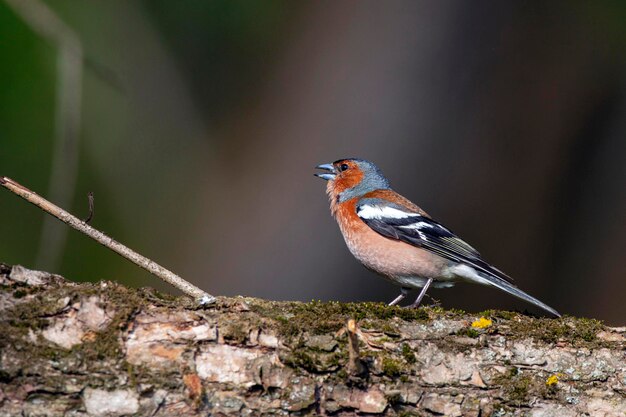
(343, 167)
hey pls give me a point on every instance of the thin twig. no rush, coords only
(74, 222)
(91, 207)
(45, 22)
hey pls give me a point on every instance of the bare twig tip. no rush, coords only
(91, 207)
(207, 300)
(75, 223)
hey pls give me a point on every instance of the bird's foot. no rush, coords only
(435, 302)
(414, 305)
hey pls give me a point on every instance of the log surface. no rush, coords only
(107, 350)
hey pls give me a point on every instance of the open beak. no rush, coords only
(326, 176)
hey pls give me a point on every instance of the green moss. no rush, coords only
(313, 361)
(406, 413)
(318, 317)
(394, 398)
(390, 329)
(501, 314)
(586, 329)
(437, 310)
(407, 354)
(302, 359)
(233, 332)
(550, 392)
(132, 380)
(106, 343)
(335, 359)
(391, 367)
(576, 331)
(19, 293)
(519, 388)
(454, 312)
(468, 332)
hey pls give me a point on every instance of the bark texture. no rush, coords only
(107, 350)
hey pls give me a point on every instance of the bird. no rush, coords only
(395, 238)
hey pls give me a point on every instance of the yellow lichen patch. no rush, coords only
(481, 323)
(552, 380)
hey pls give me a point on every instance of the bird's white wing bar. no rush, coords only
(367, 211)
(418, 226)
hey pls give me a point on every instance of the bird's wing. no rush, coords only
(401, 223)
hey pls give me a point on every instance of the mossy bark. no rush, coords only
(107, 350)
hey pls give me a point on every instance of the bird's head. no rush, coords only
(350, 178)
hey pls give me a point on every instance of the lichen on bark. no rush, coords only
(106, 350)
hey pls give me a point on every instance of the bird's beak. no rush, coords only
(326, 176)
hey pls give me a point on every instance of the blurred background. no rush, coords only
(197, 124)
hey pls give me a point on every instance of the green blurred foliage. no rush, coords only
(27, 80)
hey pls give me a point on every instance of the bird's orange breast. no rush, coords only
(388, 257)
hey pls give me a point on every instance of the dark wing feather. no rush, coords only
(426, 233)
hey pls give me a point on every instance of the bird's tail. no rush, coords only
(514, 291)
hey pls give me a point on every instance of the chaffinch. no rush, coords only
(395, 238)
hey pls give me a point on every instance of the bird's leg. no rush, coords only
(419, 297)
(403, 293)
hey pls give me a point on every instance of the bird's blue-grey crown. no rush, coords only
(373, 179)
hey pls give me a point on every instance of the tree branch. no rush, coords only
(106, 350)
